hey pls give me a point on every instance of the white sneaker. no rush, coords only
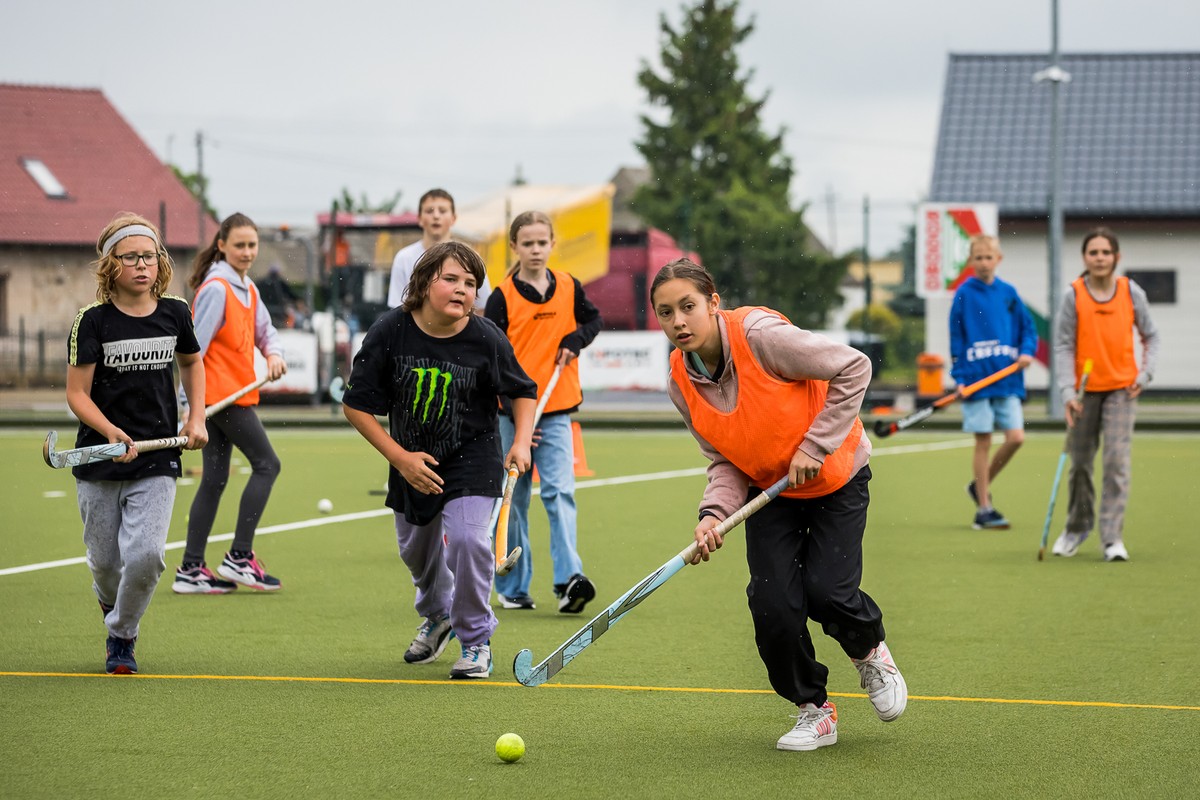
(816, 726)
(883, 682)
(1116, 552)
(476, 662)
(1067, 544)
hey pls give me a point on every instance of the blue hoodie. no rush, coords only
(990, 328)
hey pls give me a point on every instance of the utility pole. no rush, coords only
(866, 261)
(200, 213)
(831, 215)
(1056, 76)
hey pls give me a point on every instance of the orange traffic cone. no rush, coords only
(581, 467)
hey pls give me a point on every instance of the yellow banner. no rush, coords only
(581, 238)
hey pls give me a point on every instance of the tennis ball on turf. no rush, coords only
(510, 747)
(324, 505)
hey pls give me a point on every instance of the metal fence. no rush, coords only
(30, 358)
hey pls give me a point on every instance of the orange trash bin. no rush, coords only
(930, 382)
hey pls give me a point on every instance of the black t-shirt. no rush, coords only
(133, 383)
(441, 398)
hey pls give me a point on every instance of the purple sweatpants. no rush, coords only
(452, 564)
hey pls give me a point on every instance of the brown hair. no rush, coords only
(523, 219)
(209, 255)
(108, 267)
(436, 194)
(429, 266)
(688, 270)
(1098, 232)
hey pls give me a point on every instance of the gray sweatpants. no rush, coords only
(125, 531)
(452, 564)
(1111, 415)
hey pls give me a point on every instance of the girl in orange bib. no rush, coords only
(1096, 321)
(763, 399)
(230, 324)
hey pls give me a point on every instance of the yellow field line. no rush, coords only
(599, 686)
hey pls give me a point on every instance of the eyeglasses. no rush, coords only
(131, 259)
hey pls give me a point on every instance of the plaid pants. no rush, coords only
(1111, 415)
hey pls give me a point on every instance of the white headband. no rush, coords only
(122, 233)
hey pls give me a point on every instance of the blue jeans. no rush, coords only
(554, 458)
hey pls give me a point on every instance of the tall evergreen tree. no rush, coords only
(720, 183)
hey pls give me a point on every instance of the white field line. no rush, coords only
(381, 512)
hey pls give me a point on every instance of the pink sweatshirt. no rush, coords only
(788, 353)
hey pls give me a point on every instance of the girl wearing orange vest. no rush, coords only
(1096, 322)
(764, 398)
(230, 323)
(549, 320)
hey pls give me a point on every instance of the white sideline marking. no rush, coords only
(380, 512)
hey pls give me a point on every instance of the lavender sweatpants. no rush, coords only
(452, 564)
(125, 530)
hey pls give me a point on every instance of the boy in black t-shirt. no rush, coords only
(437, 370)
(120, 385)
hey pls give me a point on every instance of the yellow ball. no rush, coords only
(510, 747)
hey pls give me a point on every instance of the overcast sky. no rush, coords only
(297, 100)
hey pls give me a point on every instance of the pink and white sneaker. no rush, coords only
(884, 683)
(816, 726)
(248, 572)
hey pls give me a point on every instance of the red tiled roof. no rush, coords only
(99, 159)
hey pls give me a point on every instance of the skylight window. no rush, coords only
(44, 178)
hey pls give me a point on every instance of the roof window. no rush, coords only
(44, 178)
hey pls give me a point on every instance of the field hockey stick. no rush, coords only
(101, 452)
(494, 521)
(883, 428)
(226, 402)
(504, 559)
(1062, 462)
(337, 389)
(106, 452)
(530, 675)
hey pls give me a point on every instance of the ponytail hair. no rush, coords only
(208, 256)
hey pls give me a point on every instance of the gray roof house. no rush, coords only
(1131, 161)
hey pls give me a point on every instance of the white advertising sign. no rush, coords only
(625, 360)
(944, 232)
(300, 353)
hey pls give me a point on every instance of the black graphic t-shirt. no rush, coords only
(134, 382)
(441, 398)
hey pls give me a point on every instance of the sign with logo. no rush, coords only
(944, 232)
(300, 353)
(626, 360)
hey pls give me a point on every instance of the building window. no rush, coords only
(44, 178)
(1159, 284)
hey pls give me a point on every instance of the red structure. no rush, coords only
(623, 295)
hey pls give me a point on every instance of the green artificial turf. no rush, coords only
(1027, 679)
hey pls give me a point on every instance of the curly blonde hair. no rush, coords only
(108, 266)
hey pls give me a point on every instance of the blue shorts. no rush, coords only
(990, 414)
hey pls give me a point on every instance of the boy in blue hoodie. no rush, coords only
(990, 328)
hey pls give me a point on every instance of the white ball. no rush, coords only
(325, 505)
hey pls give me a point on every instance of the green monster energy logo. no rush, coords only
(434, 374)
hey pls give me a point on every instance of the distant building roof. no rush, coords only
(69, 162)
(1131, 133)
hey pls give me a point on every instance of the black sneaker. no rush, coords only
(120, 656)
(579, 593)
(518, 601)
(991, 520)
